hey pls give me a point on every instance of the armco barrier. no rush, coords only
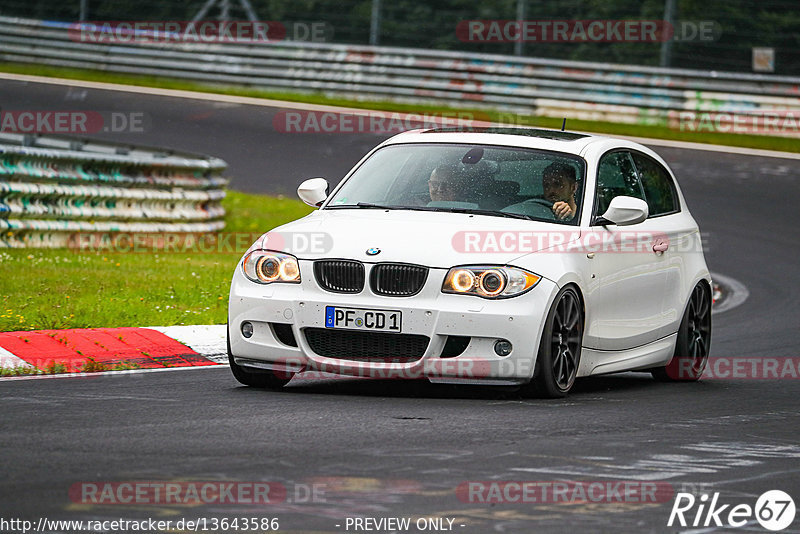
(593, 91)
(52, 189)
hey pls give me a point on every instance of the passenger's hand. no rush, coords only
(562, 210)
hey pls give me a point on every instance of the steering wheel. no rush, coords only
(541, 201)
(534, 207)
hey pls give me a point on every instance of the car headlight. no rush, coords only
(265, 267)
(489, 281)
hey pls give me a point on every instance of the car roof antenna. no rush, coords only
(564, 124)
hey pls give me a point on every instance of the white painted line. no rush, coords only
(179, 93)
(622, 472)
(736, 294)
(710, 148)
(109, 373)
(252, 101)
(719, 529)
(206, 340)
(9, 361)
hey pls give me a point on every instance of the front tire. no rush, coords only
(265, 379)
(694, 340)
(560, 348)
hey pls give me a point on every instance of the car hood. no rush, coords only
(434, 239)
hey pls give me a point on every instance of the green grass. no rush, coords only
(19, 371)
(55, 289)
(258, 213)
(53, 368)
(638, 130)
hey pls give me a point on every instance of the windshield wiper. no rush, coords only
(471, 211)
(376, 206)
(369, 205)
(494, 213)
(360, 205)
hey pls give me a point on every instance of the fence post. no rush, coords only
(375, 23)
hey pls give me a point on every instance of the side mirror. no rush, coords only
(624, 211)
(313, 191)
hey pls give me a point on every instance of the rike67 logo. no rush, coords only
(774, 510)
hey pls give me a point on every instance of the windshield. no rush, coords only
(514, 182)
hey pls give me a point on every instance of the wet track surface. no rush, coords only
(398, 449)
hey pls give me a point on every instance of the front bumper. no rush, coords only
(430, 313)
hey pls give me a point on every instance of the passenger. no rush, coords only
(559, 184)
(445, 184)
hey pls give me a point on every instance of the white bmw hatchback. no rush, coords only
(492, 256)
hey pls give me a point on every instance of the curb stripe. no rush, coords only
(147, 348)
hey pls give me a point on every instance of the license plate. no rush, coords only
(363, 319)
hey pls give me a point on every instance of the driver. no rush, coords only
(559, 184)
(445, 184)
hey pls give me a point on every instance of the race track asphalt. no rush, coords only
(399, 449)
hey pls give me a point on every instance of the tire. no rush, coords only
(560, 348)
(265, 379)
(694, 340)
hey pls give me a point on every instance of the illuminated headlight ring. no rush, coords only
(489, 281)
(266, 267)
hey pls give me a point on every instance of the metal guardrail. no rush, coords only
(592, 91)
(55, 190)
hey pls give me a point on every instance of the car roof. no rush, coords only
(538, 138)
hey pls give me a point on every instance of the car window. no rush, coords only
(467, 177)
(522, 171)
(658, 186)
(616, 176)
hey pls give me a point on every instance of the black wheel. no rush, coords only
(694, 340)
(258, 379)
(560, 347)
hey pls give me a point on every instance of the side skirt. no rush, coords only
(655, 354)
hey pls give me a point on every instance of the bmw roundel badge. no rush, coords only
(373, 251)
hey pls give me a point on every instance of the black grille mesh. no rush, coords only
(397, 279)
(366, 346)
(340, 276)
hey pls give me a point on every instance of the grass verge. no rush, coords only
(55, 368)
(637, 130)
(60, 288)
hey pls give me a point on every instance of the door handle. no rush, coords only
(659, 247)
